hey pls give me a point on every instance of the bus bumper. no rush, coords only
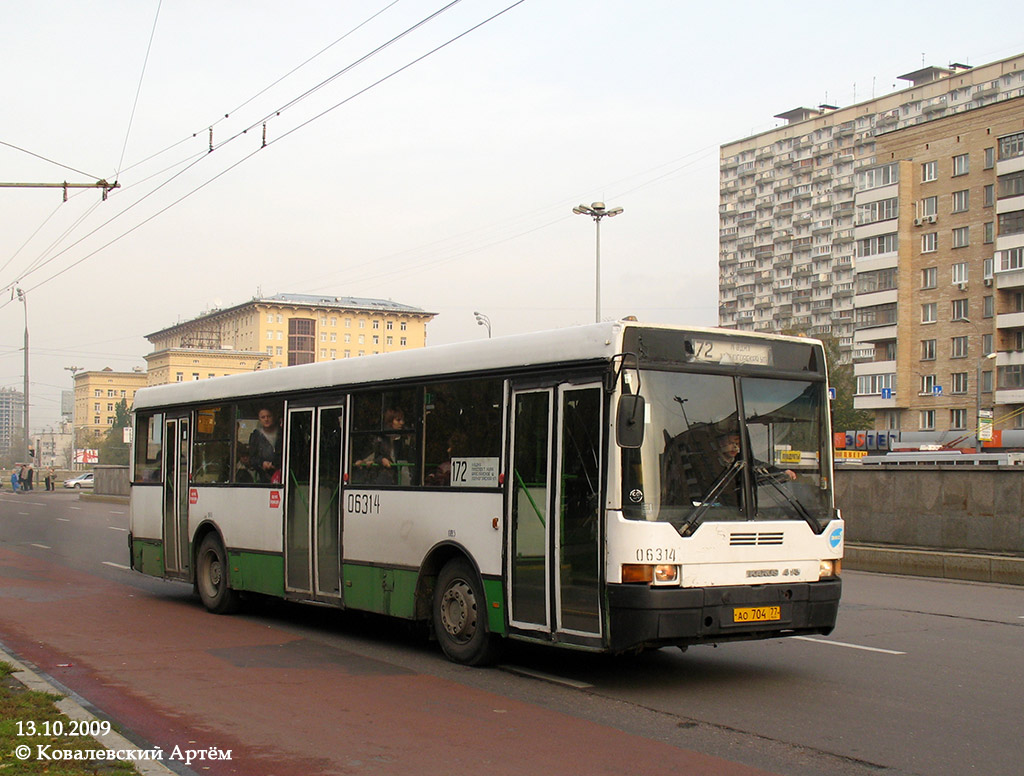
(642, 616)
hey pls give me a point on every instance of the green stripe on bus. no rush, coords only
(148, 556)
(494, 592)
(380, 589)
(257, 571)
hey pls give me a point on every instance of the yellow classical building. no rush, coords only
(283, 330)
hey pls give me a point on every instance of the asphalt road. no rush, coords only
(921, 677)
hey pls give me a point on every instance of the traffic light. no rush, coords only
(31, 452)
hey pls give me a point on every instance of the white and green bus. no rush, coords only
(610, 487)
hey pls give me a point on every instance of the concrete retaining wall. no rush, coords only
(935, 507)
(111, 481)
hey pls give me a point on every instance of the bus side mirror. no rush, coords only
(629, 424)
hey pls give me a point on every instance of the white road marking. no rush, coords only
(43, 546)
(74, 507)
(119, 513)
(850, 646)
(116, 565)
(546, 677)
(115, 528)
(63, 520)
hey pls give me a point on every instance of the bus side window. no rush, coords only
(211, 456)
(384, 449)
(258, 442)
(148, 446)
(461, 420)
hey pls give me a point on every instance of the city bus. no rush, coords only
(611, 487)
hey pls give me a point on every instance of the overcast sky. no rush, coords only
(448, 186)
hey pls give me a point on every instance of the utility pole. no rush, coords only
(23, 298)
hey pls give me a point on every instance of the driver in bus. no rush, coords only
(728, 445)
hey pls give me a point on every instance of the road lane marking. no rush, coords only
(116, 565)
(63, 520)
(43, 546)
(546, 677)
(74, 507)
(119, 513)
(850, 646)
(115, 528)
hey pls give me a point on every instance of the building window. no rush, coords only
(323, 352)
(376, 339)
(928, 384)
(390, 341)
(376, 324)
(990, 158)
(403, 341)
(929, 242)
(960, 272)
(323, 336)
(929, 206)
(958, 347)
(179, 377)
(877, 280)
(348, 323)
(1011, 223)
(280, 351)
(401, 325)
(960, 310)
(878, 176)
(1012, 258)
(986, 344)
(962, 237)
(877, 315)
(989, 195)
(929, 312)
(334, 336)
(989, 306)
(95, 407)
(961, 165)
(1011, 146)
(334, 321)
(882, 210)
(872, 385)
(958, 420)
(929, 171)
(348, 338)
(96, 420)
(928, 350)
(958, 382)
(362, 339)
(961, 200)
(990, 231)
(195, 375)
(334, 355)
(1011, 185)
(301, 341)
(872, 246)
(389, 325)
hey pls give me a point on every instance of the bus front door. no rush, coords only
(176, 498)
(312, 517)
(554, 511)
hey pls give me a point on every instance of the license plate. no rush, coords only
(756, 613)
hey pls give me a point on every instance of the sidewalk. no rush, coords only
(967, 565)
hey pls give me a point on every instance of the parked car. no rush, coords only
(79, 482)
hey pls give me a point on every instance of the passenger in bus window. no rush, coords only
(265, 447)
(442, 475)
(388, 452)
(243, 469)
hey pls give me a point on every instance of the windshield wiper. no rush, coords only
(772, 479)
(687, 526)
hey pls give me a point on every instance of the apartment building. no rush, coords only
(12, 420)
(97, 395)
(787, 212)
(283, 330)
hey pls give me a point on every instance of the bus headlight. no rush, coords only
(830, 568)
(651, 574)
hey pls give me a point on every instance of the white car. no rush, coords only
(79, 482)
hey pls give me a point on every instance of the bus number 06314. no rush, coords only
(363, 504)
(656, 555)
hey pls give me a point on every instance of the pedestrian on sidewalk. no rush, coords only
(26, 480)
(15, 480)
(49, 479)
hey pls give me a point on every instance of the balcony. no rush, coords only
(1011, 278)
(1010, 321)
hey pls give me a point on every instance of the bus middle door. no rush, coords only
(554, 542)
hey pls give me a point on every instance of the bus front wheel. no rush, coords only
(460, 615)
(212, 577)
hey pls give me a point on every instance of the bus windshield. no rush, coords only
(721, 447)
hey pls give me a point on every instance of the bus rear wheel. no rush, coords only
(212, 577)
(460, 616)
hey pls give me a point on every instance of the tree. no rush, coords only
(112, 447)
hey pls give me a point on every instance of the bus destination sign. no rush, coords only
(714, 351)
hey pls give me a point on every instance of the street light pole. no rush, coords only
(483, 320)
(977, 408)
(597, 211)
(74, 406)
(23, 298)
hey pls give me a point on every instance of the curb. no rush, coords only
(918, 562)
(74, 710)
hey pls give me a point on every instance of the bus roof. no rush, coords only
(590, 342)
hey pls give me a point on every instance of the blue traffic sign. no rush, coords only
(887, 393)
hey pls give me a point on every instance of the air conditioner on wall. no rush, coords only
(918, 221)
(931, 219)
(988, 281)
(962, 286)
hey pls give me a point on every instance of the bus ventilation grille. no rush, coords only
(754, 539)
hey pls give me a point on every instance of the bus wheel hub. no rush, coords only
(458, 611)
